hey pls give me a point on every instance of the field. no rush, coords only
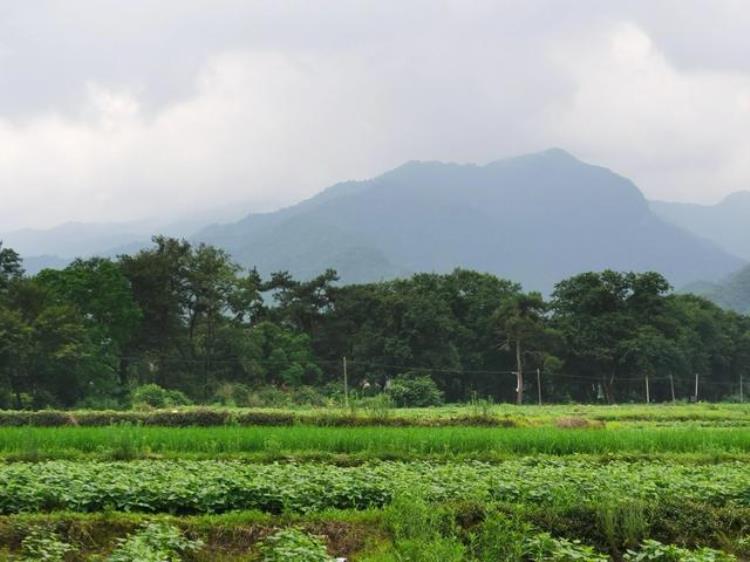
(476, 483)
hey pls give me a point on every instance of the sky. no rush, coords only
(119, 111)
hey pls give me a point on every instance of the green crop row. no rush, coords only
(479, 414)
(263, 443)
(215, 486)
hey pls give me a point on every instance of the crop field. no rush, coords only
(558, 483)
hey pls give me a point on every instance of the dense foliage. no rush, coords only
(185, 487)
(186, 318)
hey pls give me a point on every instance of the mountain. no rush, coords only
(725, 223)
(536, 219)
(732, 293)
(57, 246)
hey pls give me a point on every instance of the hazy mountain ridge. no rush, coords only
(732, 293)
(725, 223)
(536, 218)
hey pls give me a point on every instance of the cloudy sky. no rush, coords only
(114, 110)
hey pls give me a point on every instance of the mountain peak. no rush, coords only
(738, 197)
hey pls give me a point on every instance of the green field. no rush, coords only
(558, 483)
(340, 444)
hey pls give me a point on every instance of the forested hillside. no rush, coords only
(732, 293)
(187, 318)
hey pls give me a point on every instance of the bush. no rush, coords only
(204, 417)
(293, 544)
(232, 394)
(156, 542)
(154, 396)
(268, 397)
(308, 396)
(414, 390)
(544, 547)
(43, 545)
(655, 551)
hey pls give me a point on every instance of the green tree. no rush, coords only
(521, 323)
(100, 291)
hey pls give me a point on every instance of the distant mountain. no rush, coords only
(536, 219)
(732, 293)
(72, 239)
(57, 246)
(726, 223)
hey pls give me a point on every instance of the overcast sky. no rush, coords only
(113, 110)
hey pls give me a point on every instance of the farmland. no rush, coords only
(454, 483)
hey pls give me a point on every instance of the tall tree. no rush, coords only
(522, 325)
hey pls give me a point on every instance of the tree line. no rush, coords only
(187, 318)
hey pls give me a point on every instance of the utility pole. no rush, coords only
(671, 386)
(519, 373)
(648, 395)
(539, 384)
(696, 387)
(346, 385)
(742, 394)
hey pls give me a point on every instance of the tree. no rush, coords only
(596, 312)
(522, 325)
(10, 267)
(100, 291)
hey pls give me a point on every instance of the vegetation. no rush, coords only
(178, 323)
(349, 444)
(168, 406)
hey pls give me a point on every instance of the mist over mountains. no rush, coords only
(726, 223)
(535, 219)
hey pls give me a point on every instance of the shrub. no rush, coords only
(655, 551)
(414, 390)
(268, 397)
(377, 407)
(308, 396)
(203, 417)
(293, 544)
(43, 545)
(499, 538)
(544, 547)
(154, 396)
(232, 394)
(156, 542)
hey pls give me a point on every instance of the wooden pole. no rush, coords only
(696, 387)
(671, 387)
(648, 395)
(742, 394)
(346, 385)
(539, 384)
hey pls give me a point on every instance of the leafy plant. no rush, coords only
(156, 542)
(154, 396)
(546, 548)
(414, 390)
(44, 545)
(293, 544)
(654, 551)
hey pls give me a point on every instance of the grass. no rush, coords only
(259, 443)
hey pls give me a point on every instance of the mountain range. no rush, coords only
(535, 219)
(725, 223)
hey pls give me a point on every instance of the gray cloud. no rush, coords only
(117, 111)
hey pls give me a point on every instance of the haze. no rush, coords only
(118, 111)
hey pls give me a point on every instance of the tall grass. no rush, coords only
(126, 442)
